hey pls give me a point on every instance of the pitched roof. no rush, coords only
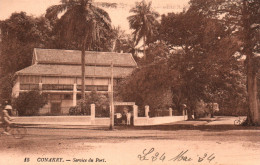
(60, 56)
(74, 70)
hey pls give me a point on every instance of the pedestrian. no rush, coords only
(128, 116)
(6, 119)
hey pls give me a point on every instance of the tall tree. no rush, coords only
(81, 23)
(143, 22)
(201, 61)
(20, 35)
(125, 43)
(242, 19)
(150, 84)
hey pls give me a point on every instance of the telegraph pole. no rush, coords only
(112, 99)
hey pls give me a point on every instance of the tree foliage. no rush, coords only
(82, 25)
(29, 103)
(143, 22)
(81, 21)
(241, 19)
(20, 35)
(125, 43)
(150, 84)
(101, 102)
(205, 69)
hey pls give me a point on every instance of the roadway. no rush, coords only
(167, 144)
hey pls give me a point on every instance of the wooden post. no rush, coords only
(112, 99)
(74, 100)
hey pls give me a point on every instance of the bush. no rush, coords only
(29, 103)
(74, 111)
(101, 102)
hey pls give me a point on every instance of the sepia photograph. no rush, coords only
(137, 82)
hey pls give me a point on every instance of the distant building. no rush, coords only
(58, 73)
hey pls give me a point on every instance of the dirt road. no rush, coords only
(132, 146)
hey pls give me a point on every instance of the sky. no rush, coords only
(118, 15)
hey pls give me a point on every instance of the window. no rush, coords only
(78, 97)
(67, 97)
(87, 87)
(90, 87)
(29, 86)
(102, 88)
(94, 87)
(56, 97)
(57, 87)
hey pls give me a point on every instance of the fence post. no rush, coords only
(135, 113)
(135, 108)
(147, 111)
(92, 113)
(170, 111)
(40, 87)
(74, 101)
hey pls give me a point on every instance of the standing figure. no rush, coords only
(128, 116)
(6, 119)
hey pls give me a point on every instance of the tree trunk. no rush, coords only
(253, 114)
(190, 108)
(144, 39)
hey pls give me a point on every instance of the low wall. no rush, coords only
(88, 120)
(66, 120)
(140, 121)
(102, 121)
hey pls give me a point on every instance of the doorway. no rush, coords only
(123, 113)
(55, 108)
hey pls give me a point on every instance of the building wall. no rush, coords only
(46, 109)
(65, 104)
(16, 89)
(58, 88)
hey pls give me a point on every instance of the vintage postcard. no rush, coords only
(138, 82)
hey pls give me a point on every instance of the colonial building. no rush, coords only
(58, 74)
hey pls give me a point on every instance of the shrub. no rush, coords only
(101, 102)
(29, 103)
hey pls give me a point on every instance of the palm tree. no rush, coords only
(142, 22)
(80, 23)
(118, 36)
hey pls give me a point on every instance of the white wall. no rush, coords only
(65, 120)
(16, 89)
(139, 121)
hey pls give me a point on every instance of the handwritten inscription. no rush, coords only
(152, 155)
(181, 157)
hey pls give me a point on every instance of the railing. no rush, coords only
(94, 87)
(63, 87)
(29, 86)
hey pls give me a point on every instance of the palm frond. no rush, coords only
(143, 20)
(53, 11)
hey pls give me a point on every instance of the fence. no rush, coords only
(99, 117)
(160, 117)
